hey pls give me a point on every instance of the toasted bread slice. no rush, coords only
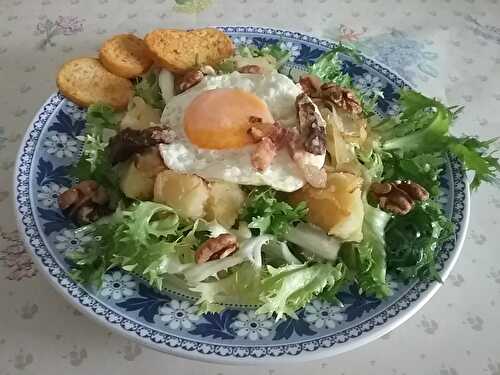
(125, 55)
(85, 81)
(179, 51)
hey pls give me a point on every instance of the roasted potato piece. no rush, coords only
(224, 202)
(337, 208)
(140, 115)
(150, 162)
(135, 183)
(185, 193)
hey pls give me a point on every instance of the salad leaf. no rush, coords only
(276, 50)
(289, 288)
(265, 213)
(148, 88)
(367, 259)
(477, 158)
(241, 286)
(328, 67)
(422, 168)
(146, 238)
(100, 117)
(272, 55)
(423, 127)
(313, 241)
(413, 240)
(277, 253)
(101, 121)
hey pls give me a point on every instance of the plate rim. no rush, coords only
(304, 355)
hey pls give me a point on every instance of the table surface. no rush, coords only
(447, 48)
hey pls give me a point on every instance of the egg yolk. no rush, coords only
(219, 118)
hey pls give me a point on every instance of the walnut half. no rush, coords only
(216, 248)
(85, 202)
(398, 197)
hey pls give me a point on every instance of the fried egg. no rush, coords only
(211, 120)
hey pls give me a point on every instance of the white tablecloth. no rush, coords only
(448, 48)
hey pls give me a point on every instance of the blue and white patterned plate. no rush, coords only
(166, 320)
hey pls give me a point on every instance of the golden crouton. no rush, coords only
(85, 81)
(125, 55)
(179, 51)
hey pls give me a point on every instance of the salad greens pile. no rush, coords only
(282, 261)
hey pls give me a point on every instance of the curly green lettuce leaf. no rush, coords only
(413, 241)
(275, 50)
(423, 128)
(148, 88)
(241, 286)
(367, 260)
(94, 164)
(146, 238)
(423, 169)
(289, 288)
(477, 157)
(266, 213)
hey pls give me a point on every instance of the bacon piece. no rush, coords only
(270, 138)
(264, 154)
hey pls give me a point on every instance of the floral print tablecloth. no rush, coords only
(447, 48)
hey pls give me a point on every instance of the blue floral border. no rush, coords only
(184, 346)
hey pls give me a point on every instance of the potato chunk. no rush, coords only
(140, 115)
(150, 162)
(224, 202)
(337, 208)
(185, 193)
(136, 184)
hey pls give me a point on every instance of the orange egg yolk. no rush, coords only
(219, 119)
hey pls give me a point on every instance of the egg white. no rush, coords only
(279, 93)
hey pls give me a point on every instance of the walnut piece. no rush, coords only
(311, 85)
(311, 125)
(398, 197)
(131, 141)
(216, 248)
(340, 97)
(86, 202)
(187, 80)
(251, 69)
